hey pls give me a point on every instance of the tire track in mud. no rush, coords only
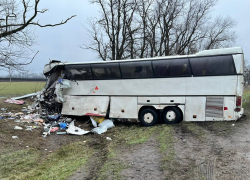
(143, 160)
(91, 169)
(204, 153)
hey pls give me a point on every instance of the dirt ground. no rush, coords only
(202, 150)
(189, 150)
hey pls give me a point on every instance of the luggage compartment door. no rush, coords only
(195, 109)
(85, 105)
(123, 107)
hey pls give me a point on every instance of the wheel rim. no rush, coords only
(148, 117)
(170, 116)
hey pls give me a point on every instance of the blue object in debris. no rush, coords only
(60, 80)
(54, 118)
(63, 125)
(1, 117)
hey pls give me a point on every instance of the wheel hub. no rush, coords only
(170, 116)
(148, 117)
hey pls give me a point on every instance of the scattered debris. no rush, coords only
(60, 133)
(99, 130)
(108, 138)
(54, 129)
(18, 128)
(25, 96)
(13, 101)
(72, 129)
(63, 125)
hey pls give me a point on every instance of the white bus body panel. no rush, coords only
(229, 114)
(161, 100)
(148, 100)
(234, 50)
(172, 100)
(239, 63)
(85, 105)
(210, 85)
(123, 107)
(195, 106)
(240, 85)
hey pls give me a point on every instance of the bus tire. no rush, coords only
(148, 117)
(171, 115)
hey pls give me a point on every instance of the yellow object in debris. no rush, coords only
(98, 119)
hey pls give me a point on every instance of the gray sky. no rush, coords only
(62, 42)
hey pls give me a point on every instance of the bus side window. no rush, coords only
(106, 71)
(212, 66)
(78, 72)
(141, 69)
(171, 68)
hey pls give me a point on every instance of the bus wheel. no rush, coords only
(148, 117)
(171, 115)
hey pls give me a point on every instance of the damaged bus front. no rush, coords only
(206, 86)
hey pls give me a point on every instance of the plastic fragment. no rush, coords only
(108, 123)
(60, 133)
(18, 127)
(63, 125)
(72, 129)
(108, 138)
(93, 122)
(54, 129)
(99, 130)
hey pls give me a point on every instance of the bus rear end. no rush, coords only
(239, 65)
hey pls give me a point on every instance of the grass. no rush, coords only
(246, 98)
(165, 139)
(127, 136)
(124, 137)
(112, 167)
(135, 134)
(17, 162)
(20, 88)
(28, 164)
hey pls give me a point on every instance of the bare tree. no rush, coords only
(148, 28)
(16, 37)
(112, 35)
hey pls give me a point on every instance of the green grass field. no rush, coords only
(19, 88)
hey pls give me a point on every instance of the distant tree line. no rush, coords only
(128, 29)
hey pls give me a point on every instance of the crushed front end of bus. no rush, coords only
(51, 97)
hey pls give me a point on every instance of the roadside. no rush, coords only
(189, 150)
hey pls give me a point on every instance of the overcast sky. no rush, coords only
(62, 42)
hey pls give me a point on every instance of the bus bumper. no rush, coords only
(240, 114)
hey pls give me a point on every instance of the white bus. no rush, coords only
(207, 86)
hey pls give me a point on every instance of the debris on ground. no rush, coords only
(47, 107)
(25, 96)
(72, 129)
(18, 127)
(13, 101)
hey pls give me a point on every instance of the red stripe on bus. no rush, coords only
(92, 114)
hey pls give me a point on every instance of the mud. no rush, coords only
(143, 160)
(205, 150)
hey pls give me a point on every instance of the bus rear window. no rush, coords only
(171, 68)
(78, 72)
(106, 71)
(212, 66)
(136, 69)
